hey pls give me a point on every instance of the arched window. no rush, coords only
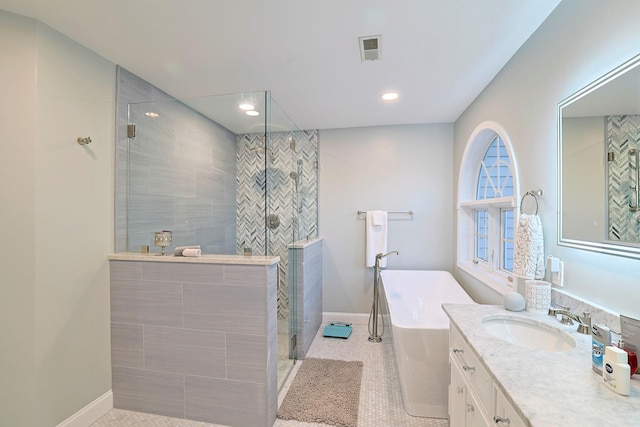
(487, 200)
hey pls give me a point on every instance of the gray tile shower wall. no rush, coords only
(195, 341)
(208, 185)
(178, 173)
(305, 265)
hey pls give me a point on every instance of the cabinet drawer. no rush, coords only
(473, 370)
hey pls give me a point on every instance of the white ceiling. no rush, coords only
(438, 54)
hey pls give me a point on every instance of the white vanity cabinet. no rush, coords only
(505, 415)
(464, 409)
(474, 400)
(509, 384)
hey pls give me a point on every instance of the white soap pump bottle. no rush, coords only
(616, 370)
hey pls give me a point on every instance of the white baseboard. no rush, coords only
(90, 413)
(353, 318)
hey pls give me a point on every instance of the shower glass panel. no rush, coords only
(231, 173)
(181, 177)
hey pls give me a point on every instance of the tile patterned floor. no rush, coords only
(380, 398)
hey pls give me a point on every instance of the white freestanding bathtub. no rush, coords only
(420, 334)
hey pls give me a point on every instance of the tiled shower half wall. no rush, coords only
(210, 186)
(623, 143)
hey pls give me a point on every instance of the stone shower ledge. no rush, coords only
(302, 244)
(204, 259)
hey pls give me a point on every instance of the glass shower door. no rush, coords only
(281, 215)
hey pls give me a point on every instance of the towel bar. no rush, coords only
(391, 212)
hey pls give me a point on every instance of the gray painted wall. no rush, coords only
(57, 200)
(579, 42)
(584, 211)
(392, 168)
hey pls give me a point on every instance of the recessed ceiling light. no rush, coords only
(152, 114)
(252, 113)
(390, 96)
(246, 106)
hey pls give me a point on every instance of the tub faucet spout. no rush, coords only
(380, 255)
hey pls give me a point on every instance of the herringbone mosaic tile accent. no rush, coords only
(280, 181)
(623, 135)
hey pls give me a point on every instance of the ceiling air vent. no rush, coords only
(370, 47)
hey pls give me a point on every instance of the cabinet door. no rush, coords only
(505, 414)
(457, 399)
(474, 415)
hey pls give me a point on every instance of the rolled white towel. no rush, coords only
(191, 252)
(178, 251)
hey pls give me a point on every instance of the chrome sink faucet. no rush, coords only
(584, 321)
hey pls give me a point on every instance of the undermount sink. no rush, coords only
(529, 333)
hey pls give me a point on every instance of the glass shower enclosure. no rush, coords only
(231, 173)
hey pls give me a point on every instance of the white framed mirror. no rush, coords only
(599, 164)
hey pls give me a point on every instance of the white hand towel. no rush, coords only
(378, 217)
(528, 259)
(375, 237)
(192, 252)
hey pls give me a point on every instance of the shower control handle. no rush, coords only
(273, 221)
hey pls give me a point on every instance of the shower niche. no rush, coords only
(231, 173)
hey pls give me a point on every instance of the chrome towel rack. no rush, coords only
(391, 212)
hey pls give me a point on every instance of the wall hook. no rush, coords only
(84, 141)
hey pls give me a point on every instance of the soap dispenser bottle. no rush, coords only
(616, 370)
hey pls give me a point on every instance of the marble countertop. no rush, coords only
(204, 259)
(546, 388)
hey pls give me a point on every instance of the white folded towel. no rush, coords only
(192, 252)
(528, 259)
(375, 237)
(178, 251)
(378, 218)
